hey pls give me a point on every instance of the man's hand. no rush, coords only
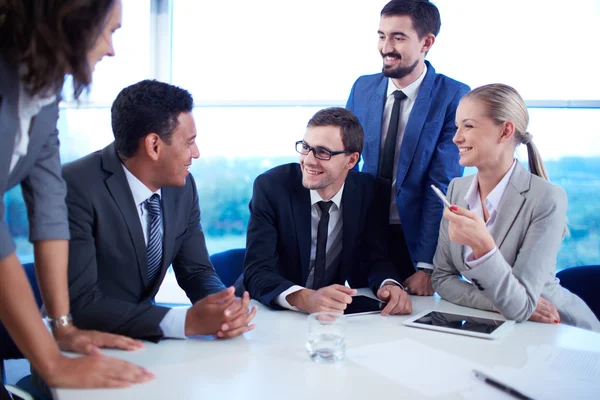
(69, 338)
(334, 298)
(545, 312)
(419, 283)
(93, 372)
(398, 301)
(218, 314)
(237, 318)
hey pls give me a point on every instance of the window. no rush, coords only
(259, 70)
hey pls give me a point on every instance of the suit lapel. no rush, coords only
(414, 125)
(350, 207)
(511, 203)
(373, 124)
(300, 201)
(119, 189)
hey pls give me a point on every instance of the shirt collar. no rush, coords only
(411, 91)
(140, 192)
(337, 199)
(493, 199)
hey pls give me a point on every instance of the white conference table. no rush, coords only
(271, 362)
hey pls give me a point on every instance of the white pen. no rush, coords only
(501, 386)
(439, 194)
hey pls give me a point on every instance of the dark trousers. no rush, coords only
(399, 252)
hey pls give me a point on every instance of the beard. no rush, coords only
(398, 71)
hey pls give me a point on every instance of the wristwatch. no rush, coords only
(428, 271)
(60, 322)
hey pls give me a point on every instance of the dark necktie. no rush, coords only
(322, 232)
(154, 248)
(386, 167)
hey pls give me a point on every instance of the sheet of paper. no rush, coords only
(566, 363)
(415, 365)
(550, 373)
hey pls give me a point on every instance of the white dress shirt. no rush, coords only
(29, 107)
(173, 323)
(411, 91)
(491, 204)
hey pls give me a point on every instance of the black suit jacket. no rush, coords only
(279, 234)
(108, 270)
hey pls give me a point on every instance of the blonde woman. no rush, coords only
(506, 224)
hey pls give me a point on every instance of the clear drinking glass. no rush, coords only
(326, 332)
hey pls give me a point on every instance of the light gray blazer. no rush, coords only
(528, 233)
(39, 172)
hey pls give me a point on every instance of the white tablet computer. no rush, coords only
(486, 328)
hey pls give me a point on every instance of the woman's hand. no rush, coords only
(468, 229)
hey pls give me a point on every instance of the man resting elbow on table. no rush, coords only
(314, 225)
(133, 212)
(505, 229)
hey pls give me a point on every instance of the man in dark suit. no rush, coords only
(133, 211)
(314, 225)
(407, 112)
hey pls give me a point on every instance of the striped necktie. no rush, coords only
(154, 247)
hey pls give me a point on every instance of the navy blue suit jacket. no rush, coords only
(427, 154)
(279, 234)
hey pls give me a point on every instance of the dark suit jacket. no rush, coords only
(108, 270)
(427, 154)
(38, 172)
(279, 234)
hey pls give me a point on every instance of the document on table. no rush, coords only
(418, 364)
(550, 373)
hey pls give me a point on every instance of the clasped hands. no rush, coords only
(220, 314)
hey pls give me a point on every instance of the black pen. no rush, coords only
(501, 386)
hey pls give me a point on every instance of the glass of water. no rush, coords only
(326, 333)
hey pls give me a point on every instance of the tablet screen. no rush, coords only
(363, 304)
(460, 322)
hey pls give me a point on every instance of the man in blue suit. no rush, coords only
(407, 113)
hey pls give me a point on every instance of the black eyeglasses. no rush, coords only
(320, 153)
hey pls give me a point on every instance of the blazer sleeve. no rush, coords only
(515, 289)
(443, 168)
(263, 276)
(44, 192)
(447, 280)
(194, 272)
(90, 307)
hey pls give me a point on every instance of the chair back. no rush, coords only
(583, 281)
(229, 265)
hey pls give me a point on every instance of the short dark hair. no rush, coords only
(52, 38)
(147, 107)
(352, 132)
(425, 15)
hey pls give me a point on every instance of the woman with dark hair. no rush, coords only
(41, 41)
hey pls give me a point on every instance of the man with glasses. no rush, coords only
(314, 225)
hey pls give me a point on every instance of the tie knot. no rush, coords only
(399, 95)
(153, 205)
(324, 206)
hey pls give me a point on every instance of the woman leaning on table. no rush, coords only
(40, 42)
(506, 224)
